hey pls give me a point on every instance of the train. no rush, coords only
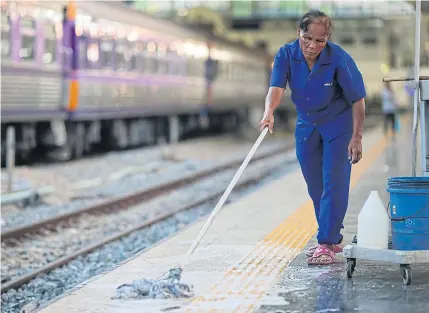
(80, 76)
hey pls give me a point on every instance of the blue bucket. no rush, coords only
(409, 212)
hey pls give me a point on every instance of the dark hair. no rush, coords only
(315, 16)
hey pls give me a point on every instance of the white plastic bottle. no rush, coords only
(373, 224)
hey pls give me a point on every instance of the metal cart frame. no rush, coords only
(403, 258)
(421, 103)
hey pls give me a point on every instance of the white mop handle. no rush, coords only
(227, 191)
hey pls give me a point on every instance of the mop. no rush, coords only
(169, 285)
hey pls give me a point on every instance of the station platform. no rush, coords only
(252, 259)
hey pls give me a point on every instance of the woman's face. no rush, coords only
(313, 40)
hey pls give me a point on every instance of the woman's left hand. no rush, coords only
(355, 149)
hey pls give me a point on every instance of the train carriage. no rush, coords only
(104, 74)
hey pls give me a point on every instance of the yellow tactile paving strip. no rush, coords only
(237, 262)
(241, 287)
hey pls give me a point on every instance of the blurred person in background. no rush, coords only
(389, 108)
(409, 89)
(328, 92)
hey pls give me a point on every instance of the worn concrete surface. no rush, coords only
(375, 287)
(241, 257)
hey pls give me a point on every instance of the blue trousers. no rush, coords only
(326, 170)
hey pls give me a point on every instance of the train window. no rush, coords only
(6, 48)
(82, 50)
(144, 61)
(201, 67)
(248, 76)
(92, 54)
(238, 72)
(227, 75)
(162, 59)
(28, 35)
(151, 62)
(247, 73)
(122, 55)
(106, 49)
(223, 70)
(173, 64)
(191, 67)
(240, 69)
(50, 50)
(136, 56)
(144, 66)
(197, 68)
(231, 71)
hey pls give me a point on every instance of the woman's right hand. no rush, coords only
(267, 120)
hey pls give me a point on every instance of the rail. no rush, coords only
(125, 202)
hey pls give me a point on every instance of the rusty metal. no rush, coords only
(158, 216)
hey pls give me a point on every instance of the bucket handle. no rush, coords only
(402, 219)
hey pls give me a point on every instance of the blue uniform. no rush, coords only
(323, 98)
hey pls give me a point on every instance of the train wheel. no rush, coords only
(75, 146)
(79, 140)
(119, 134)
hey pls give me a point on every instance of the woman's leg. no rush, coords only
(334, 201)
(336, 183)
(309, 152)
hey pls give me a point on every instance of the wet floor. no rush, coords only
(374, 288)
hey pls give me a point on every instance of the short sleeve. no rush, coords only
(350, 79)
(279, 74)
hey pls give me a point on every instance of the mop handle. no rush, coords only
(227, 192)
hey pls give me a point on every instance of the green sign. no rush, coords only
(241, 8)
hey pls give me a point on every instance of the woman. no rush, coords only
(389, 106)
(328, 92)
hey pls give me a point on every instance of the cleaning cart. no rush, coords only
(408, 209)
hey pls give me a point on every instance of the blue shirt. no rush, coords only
(324, 96)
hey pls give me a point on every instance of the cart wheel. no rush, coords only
(351, 264)
(406, 274)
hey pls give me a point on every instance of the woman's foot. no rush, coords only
(338, 248)
(323, 255)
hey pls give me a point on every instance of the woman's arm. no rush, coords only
(355, 145)
(273, 99)
(358, 118)
(279, 79)
(351, 82)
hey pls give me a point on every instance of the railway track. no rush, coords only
(122, 204)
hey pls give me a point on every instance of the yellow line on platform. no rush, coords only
(241, 287)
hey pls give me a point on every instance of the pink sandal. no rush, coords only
(322, 256)
(338, 248)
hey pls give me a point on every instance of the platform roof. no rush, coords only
(282, 9)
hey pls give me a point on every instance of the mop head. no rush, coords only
(161, 288)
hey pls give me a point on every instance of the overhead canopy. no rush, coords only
(275, 9)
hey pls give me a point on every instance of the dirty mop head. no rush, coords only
(164, 287)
